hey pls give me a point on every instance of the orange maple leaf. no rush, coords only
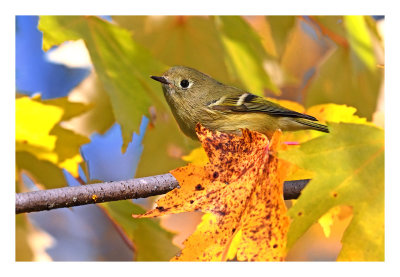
(241, 190)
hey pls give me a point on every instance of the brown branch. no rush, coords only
(41, 200)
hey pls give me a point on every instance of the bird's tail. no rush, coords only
(312, 125)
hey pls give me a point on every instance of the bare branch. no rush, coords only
(112, 191)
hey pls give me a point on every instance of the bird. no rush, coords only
(195, 97)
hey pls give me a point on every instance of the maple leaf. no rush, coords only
(332, 113)
(122, 66)
(349, 171)
(241, 192)
(43, 147)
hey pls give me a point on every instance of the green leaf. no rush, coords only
(281, 27)
(226, 47)
(340, 81)
(181, 40)
(162, 37)
(349, 170)
(360, 40)
(151, 241)
(350, 75)
(43, 172)
(245, 54)
(122, 65)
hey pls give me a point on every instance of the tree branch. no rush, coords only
(41, 200)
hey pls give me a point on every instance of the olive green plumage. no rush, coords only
(195, 97)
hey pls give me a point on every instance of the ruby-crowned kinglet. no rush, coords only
(195, 97)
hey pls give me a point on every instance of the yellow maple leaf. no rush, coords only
(29, 114)
(35, 121)
(336, 113)
(241, 192)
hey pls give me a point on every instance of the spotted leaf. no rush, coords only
(240, 190)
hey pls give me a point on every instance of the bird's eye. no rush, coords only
(184, 83)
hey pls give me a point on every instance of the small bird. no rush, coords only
(195, 97)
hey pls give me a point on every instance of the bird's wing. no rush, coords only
(247, 102)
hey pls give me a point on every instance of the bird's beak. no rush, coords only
(160, 79)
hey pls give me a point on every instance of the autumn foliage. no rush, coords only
(241, 190)
(115, 125)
